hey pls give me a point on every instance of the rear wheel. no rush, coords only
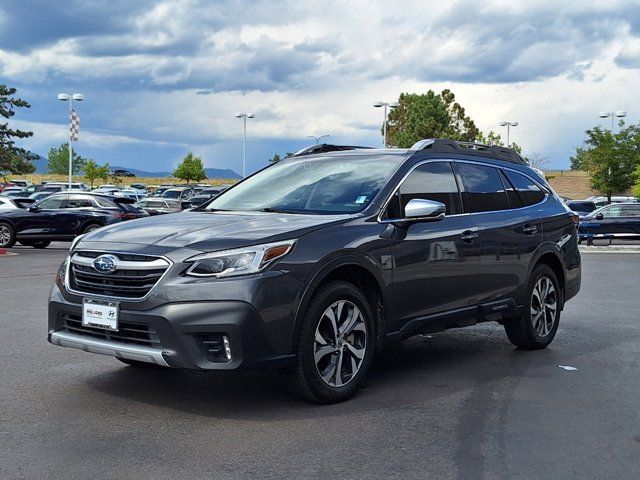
(335, 346)
(91, 227)
(538, 325)
(7, 235)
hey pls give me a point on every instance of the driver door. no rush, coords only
(436, 263)
(41, 220)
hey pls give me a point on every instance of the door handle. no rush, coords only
(468, 236)
(529, 229)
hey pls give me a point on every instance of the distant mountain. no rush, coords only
(211, 173)
(41, 168)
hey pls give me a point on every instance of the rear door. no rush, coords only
(435, 263)
(509, 226)
(631, 214)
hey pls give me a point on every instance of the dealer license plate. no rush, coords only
(100, 314)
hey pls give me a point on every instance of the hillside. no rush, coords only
(41, 168)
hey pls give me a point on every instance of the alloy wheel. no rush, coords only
(340, 343)
(544, 306)
(5, 235)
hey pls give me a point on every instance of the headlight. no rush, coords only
(240, 261)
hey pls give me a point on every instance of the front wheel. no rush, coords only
(538, 325)
(335, 346)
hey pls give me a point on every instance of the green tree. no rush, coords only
(59, 160)
(612, 159)
(276, 158)
(428, 115)
(92, 172)
(191, 168)
(493, 138)
(13, 159)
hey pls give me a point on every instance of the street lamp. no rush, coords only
(65, 97)
(508, 125)
(317, 139)
(619, 114)
(384, 125)
(244, 117)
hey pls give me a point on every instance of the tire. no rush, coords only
(91, 227)
(7, 235)
(39, 244)
(538, 325)
(322, 347)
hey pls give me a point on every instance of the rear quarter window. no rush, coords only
(528, 191)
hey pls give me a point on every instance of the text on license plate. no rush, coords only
(100, 314)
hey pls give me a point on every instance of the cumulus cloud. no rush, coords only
(307, 69)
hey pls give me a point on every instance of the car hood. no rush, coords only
(207, 231)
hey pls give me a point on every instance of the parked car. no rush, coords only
(198, 200)
(316, 262)
(63, 216)
(4, 185)
(122, 173)
(37, 196)
(581, 207)
(9, 203)
(137, 195)
(615, 220)
(14, 192)
(158, 206)
(139, 186)
(21, 183)
(161, 189)
(75, 186)
(601, 201)
(181, 193)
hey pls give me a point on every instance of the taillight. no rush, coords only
(126, 216)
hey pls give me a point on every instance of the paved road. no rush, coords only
(463, 404)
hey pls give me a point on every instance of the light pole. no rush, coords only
(613, 115)
(244, 117)
(65, 97)
(317, 139)
(508, 125)
(384, 125)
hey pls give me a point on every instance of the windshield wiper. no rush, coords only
(280, 210)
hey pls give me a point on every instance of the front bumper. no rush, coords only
(179, 332)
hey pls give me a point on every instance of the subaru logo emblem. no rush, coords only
(105, 263)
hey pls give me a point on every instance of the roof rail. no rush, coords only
(444, 145)
(324, 148)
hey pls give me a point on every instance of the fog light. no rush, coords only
(227, 347)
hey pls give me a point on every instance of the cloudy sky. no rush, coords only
(162, 78)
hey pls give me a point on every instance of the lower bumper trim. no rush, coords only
(113, 349)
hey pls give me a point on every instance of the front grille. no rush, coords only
(131, 333)
(134, 277)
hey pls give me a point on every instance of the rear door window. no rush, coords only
(631, 210)
(529, 192)
(78, 201)
(484, 190)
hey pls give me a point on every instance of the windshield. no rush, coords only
(329, 185)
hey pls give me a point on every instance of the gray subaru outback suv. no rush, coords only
(315, 263)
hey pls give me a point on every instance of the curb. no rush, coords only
(634, 249)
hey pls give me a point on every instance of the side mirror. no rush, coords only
(599, 216)
(419, 210)
(34, 208)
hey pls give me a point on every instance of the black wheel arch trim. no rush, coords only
(329, 265)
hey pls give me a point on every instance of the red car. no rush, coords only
(4, 185)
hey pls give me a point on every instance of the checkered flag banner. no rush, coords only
(74, 126)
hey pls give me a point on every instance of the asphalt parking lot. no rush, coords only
(463, 404)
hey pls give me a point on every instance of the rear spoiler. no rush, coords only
(24, 201)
